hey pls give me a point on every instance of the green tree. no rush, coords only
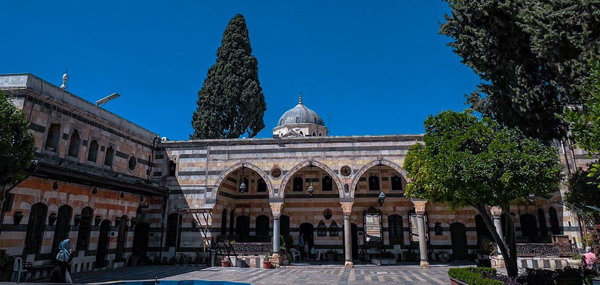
(16, 143)
(231, 101)
(583, 191)
(471, 162)
(532, 57)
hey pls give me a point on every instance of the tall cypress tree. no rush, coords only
(231, 102)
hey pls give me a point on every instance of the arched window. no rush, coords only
(242, 228)
(529, 227)
(35, 228)
(93, 151)
(172, 168)
(321, 229)
(297, 120)
(74, 144)
(374, 182)
(53, 137)
(554, 224)
(262, 226)
(285, 225)
(262, 185)
(132, 163)
(121, 238)
(334, 231)
(63, 226)
(232, 223)
(543, 227)
(108, 158)
(298, 184)
(85, 227)
(224, 222)
(396, 182)
(173, 222)
(320, 134)
(395, 229)
(314, 134)
(327, 183)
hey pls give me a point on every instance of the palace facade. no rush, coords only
(124, 196)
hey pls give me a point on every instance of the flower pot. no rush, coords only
(267, 265)
(225, 263)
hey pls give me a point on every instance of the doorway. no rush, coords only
(102, 244)
(307, 231)
(458, 234)
(140, 240)
(354, 233)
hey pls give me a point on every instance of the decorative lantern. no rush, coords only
(381, 198)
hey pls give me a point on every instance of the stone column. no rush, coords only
(420, 211)
(497, 215)
(347, 209)
(276, 235)
(276, 208)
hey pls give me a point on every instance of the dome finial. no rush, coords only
(65, 77)
(300, 99)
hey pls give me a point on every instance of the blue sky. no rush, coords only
(368, 68)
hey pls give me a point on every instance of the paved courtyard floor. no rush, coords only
(364, 274)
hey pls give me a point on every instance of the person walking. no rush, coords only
(63, 260)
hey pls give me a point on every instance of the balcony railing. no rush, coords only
(544, 249)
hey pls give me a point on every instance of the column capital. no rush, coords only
(347, 207)
(276, 208)
(419, 205)
(496, 211)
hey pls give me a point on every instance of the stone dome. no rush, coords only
(300, 115)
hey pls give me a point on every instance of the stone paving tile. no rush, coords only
(398, 274)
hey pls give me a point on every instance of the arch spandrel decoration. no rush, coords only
(374, 163)
(237, 166)
(309, 163)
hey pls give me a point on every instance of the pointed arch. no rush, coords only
(237, 166)
(307, 163)
(376, 162)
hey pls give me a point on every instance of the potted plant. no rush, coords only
(225, 262)
(567, 276)
(267, 261)
(575, 260)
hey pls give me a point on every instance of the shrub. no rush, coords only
(475, 275)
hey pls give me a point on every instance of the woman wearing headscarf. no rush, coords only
(63, 259)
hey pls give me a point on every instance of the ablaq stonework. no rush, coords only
(124, 196)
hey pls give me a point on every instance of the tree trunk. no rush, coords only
(511, 239)
(511, 267)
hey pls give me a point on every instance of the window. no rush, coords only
(172, 168)
(321, 229)
(53, 137)
(396, 182)
(110, 154)
(373, 182)
(63, 226)
(224, 222)
(85, 228)
(297, 120)
(314, 134)
(327, 183)
(298, 184)
(242, 228)
(262, 226)
(173, 221)
(132, 163)
(262, 185)
(285, 225)
(334, 231)
(327, 214)
(74, 144)
(529, 227)
(276, 172)
(93, 151)
(395, 229)
(35, 228)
